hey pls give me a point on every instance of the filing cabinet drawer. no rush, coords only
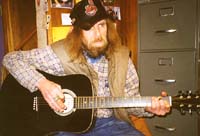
(174, 124)
(171, 71)
(168, 25)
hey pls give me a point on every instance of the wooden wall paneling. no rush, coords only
(26, 24)
(128, 26)
(7, 26)
(1, 43)
(18, 22)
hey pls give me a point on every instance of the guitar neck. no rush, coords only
(113, 102)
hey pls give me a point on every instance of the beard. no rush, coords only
(95, 51)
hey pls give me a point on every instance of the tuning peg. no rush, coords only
(190, 108)
(198, 109)
(180, 92)
(189, 94)
(182, 111)
(190, 111)
(197, 95)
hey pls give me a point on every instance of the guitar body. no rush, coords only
(17, 117)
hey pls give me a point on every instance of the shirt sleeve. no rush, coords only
(23, 65)
(132, 89)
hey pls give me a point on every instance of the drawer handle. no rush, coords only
(165, 80)
(168, 11)
(168, 61)
(166, 31)
(171, 129)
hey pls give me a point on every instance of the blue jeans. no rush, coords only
(107, 127)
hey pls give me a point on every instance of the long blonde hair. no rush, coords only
(74, 42)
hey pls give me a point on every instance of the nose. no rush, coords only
(97, 32)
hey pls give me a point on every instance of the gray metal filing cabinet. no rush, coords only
(168, 58)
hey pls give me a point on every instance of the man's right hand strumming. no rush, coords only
(52, 93)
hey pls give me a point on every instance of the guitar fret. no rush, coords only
(102, 102)
(90, 101)
(97, 104)
(83, 102)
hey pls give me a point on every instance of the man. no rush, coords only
(92, 48)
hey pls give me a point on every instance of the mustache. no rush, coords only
(97, 40)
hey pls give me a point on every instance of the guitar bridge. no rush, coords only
(35, 103)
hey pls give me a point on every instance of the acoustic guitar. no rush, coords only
(27, 114)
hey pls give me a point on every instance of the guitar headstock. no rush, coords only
(187, 102)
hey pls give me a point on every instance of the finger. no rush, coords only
(51, 101)
(167, 106)
(163, 93)
(162, 109)
(57, 91)
(154, 105)
(61, 104)
(56, 98)
(159, 106)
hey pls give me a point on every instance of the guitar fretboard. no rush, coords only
(112, 102)
(89, 102)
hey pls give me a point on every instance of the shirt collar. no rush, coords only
(92, 60)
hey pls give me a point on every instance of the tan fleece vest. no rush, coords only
(117, 68)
